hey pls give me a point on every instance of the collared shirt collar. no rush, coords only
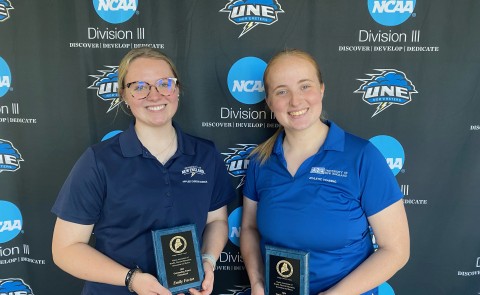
(335, 140)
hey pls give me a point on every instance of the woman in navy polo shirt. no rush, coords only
(152, 176)
(316, 188)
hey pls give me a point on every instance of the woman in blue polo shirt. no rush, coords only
(316, 188)
(152, 176)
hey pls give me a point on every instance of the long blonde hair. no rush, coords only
(265, 149)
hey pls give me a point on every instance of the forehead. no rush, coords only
(145, 68)
(291, 66)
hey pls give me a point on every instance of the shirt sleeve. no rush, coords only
(380, 188)
(249, 188)
(223, 192)
(80, 199)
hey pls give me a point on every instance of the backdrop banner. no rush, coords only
(403, 74)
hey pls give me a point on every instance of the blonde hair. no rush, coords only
(265, 149)
(134, 54)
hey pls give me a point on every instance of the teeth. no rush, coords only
(156, 108)
(298, 113)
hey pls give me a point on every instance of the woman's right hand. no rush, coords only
(146, 284)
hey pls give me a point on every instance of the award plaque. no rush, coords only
(178, 259)
(286, 271)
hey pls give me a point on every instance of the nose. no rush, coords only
(154, 94)
(295, 99)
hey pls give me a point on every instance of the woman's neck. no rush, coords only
(160, 141)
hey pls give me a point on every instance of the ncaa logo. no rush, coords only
(115, 11)
(392, 150)
(5, 77)
(391, 12)
(111, 134)
(234, 226)
(245, 80)
(10, 221)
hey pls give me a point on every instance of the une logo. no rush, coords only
(391, 12)
(245, 80)
(115, 11)
(392, 150)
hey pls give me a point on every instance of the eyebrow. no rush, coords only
(299, 82)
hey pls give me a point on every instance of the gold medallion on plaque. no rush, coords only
(178, 244)
(284, 269)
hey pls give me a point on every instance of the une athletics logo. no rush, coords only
(115, 11)
(237, 161)
(252, 13)
(391, 12)
(107, 86)
(9, 157)
(5, 6)
(385, 89)
(15, 286)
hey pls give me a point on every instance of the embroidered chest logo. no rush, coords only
(329, 175)
(192, 171)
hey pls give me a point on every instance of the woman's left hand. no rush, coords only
(207, 284)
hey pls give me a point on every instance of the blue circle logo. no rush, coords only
(10, 221)
(234, 226)
(385, 289)
(245, 80)
(111, 134)
(115, 11)
(5, 77)
(391, 12)
(392, 150)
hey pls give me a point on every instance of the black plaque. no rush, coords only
(286, 271)
(178, 259)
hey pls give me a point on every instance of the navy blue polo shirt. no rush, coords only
(126, 192)
(323, 209)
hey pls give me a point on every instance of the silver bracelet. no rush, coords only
(210, 259)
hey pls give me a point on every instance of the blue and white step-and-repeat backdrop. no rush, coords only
(404, 74)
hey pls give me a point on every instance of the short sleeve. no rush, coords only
(223, 192)
(249, 188)
(380, 188)
(80, 199)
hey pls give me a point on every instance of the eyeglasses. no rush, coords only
(141, 89)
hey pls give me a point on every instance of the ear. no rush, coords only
(267, 100)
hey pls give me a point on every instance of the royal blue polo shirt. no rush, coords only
(323, 209)
(126, 192)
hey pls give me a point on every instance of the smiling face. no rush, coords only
(156, 109)
(294, 91)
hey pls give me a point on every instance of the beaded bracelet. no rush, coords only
(210, 259)
(129, 277)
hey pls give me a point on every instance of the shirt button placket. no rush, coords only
(168, 190)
